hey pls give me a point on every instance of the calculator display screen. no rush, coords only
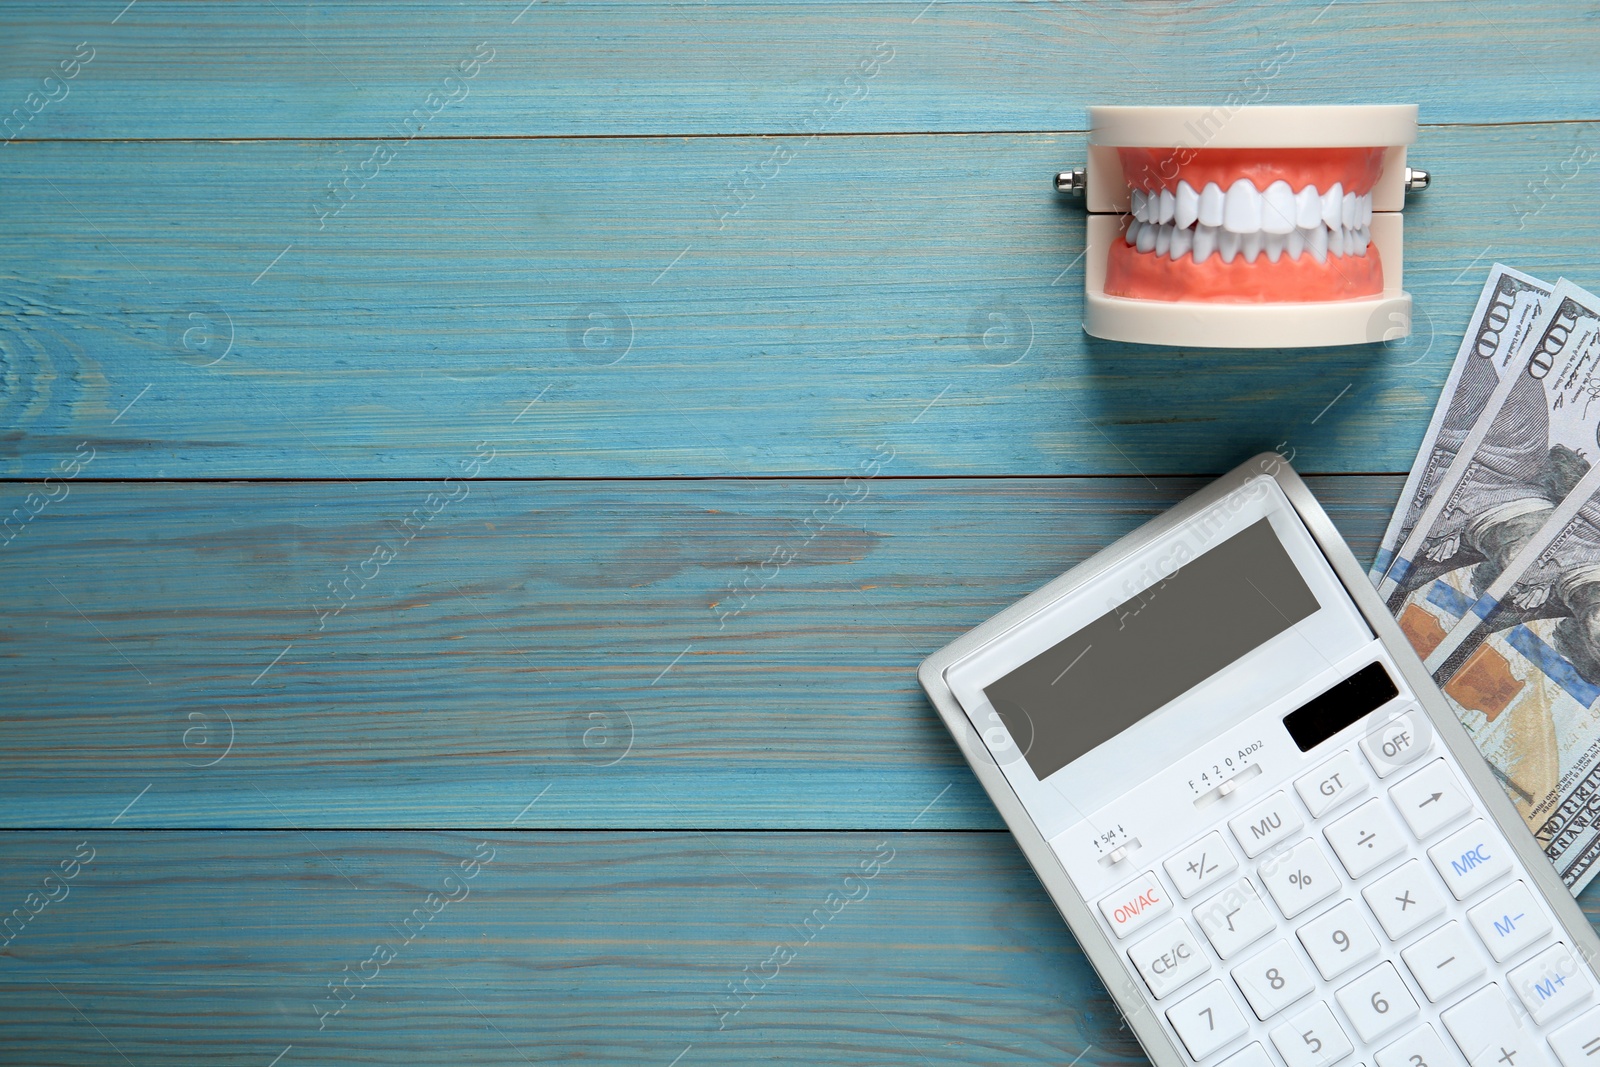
(1206, 613)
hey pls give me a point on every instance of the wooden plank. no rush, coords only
(218, 948)
(187, 69)
(897, 291)
(575, 637)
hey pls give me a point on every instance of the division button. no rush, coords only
(1169, 957)
(1404, 899)
(1136, 904)
(1204, 863)
(1264, 825)
(1331, 783)
(1551, 982)
(1509, 921)
(1444, 961)
(1207, 1020)
(1235, 918)
(1366, 838)
(1471, 858)
(1431, 799)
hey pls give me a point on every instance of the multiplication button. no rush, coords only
(1404, 899)
(1204, 863)
(1430, 800)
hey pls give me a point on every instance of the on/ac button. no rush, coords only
(1135, 904)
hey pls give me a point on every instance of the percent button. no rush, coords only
(1299, 878)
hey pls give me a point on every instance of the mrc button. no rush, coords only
(1135, 904)
(1397, 742)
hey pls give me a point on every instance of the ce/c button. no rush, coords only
(1169, 958)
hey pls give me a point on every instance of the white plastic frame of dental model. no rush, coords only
(1244, 221)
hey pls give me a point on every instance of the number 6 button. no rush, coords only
(1377, 1002)
(1207, 1020)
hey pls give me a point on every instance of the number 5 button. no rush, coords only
(1207, 1020)
(1312, 1039)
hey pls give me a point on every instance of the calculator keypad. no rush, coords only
(1378, 917)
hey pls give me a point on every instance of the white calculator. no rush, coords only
(1245, 795)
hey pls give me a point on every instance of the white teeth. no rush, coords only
(1332, 201)
(1227, 245)
(1307, 207)
(1182, 240)
(1174, 223)
(1250, 245)
(1277, 208)
(1187, 206)
(1242, 211)
(1317, 242)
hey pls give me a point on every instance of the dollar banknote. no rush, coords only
(1510, 303)
(1503, 599)
(1527, 450)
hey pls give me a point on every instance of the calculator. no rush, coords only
(1243, 792)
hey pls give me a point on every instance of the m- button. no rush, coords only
(1397, 742)
(1264, 825)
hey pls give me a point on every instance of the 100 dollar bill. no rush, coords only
(1505, 605)
(1509, 305)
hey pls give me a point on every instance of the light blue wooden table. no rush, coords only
(403, 404)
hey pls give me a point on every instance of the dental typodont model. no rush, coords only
(1255, 227)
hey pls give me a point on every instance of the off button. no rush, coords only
(1397, 742)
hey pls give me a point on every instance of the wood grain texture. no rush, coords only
(876, 276)
(284, 69)
(599, 948)
(185, 948)
(576, 637)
